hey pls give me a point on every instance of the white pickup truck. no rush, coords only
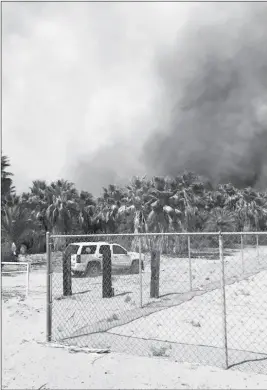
(86, 258)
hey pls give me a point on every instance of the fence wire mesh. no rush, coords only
(191, 297)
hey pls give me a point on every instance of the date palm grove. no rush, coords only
(185, 203)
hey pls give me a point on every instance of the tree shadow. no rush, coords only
(122, 294)
(81, 292)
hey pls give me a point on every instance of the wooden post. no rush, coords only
(67, 279)
(107, 290)
(155, 270)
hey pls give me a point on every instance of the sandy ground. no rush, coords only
(86, 306)
(199, 321)
(30, 365)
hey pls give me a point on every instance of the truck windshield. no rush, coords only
(72, 249)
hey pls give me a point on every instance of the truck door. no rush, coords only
(120, 256)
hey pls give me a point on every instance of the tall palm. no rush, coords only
(190, 198)
(86, 211)
(164, 216)
(147, 203)
(16, 222)
(6, 178)
(220, 219)
(61, 214)
(62, 196)
(135, 203)
(108, 205)
(263, 211)
(38, 200)
(248, 208)
(251, 212)
(150, 204)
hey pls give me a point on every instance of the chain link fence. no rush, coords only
(192, 297)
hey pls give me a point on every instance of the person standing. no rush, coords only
(14, 254)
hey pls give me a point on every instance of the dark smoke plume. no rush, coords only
(214, 96)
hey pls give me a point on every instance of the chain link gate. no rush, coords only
(193, 318)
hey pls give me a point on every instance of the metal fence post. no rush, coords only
(27, 279)
(242, 253)
(257, 248)
(190, 263)
(224, 319)
(48, 290)
(140, 272)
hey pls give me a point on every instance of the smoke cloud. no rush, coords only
(98, 92)
(213, 84)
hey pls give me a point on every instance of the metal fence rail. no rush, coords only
(195, 297)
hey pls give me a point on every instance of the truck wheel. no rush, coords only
(93, 270)
(135, 267)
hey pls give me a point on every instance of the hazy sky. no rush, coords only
(77, 77)
(97, 92)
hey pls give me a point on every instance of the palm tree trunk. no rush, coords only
(247, 228)
(59, 243)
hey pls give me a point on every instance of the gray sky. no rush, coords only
(98, 92)
(79, 87)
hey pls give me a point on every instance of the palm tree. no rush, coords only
(163, 216)
(108, 205)
(191, 198)
(148, 204)
(6, 178)
(17, 226)
(38, 200)
(262, 201)
(219, 220)
(62, 198)
(60, 213)
(152, 205)
(135, 203)
(86, 211)
(251, 211)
